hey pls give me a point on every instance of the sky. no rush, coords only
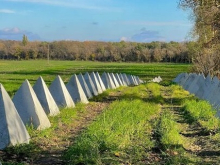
(94, 20)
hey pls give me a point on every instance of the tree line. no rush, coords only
(206, 32)
(96, 51)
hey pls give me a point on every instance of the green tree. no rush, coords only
(24, 40)
(206, 16)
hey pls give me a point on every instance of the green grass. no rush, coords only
(13, 73)
(169, 130)
(202, 112)
(42, 137)
(120, 135)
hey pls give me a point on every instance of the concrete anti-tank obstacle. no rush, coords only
(202, 87)
(183, 79)
(96, 83)
(12, 129)
(84, 86)
(118, 79)
(135, 80)
(189, 80)
(112, 84)
(126, 79)
(215, 99)
(130, 78)
(178, 77)
(114, 80)
(141, 81)
(76, 91)
(90, 84)
(29, 107)
(207, 86)
(213, 87)
(107, 81)
(123, 80)
(194, 86)
(100, 81)
(60, 94)
(45, 97)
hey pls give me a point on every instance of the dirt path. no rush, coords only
(52, 149)
(200, 144)
(55, 149)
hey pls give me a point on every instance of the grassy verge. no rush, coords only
(202, 112)
(120, 135)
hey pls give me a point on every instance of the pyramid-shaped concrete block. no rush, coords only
(189, 80)
(206, 87)
(141, 81)
(111, 83)
(131, 79)
(84, 86)
(60, 94)
(213, 87)
(183, 79)
(75, 89)
(100, 81)
(118, 79)
(45, 97)
(126, 79)
(12, 129)
(178, 77)
(123, 80)
(96, 83)
(107, 81)
(138, 80)
(215, 99)
(202, 86)
(29, 107)
(135, 80)
(114, 80)
(90, 84)
(194, 86)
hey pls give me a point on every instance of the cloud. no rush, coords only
(17, 34)
(7, 11)
(82, 4)
(144, 36)
(95, 23)
(124, 39)
(147, 36)
(148, 23)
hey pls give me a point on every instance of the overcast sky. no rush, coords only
(94, 20)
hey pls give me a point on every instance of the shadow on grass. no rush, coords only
(24, 153)
(209, 153)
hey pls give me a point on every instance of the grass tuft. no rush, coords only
(120, 135)
(203, 113)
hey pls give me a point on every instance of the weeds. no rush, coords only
(124, 135)
(202, 112)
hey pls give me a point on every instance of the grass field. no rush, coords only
(146, 124)
(13, 73)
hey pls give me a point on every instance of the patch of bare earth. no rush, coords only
(201, 144)
(51, 149)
